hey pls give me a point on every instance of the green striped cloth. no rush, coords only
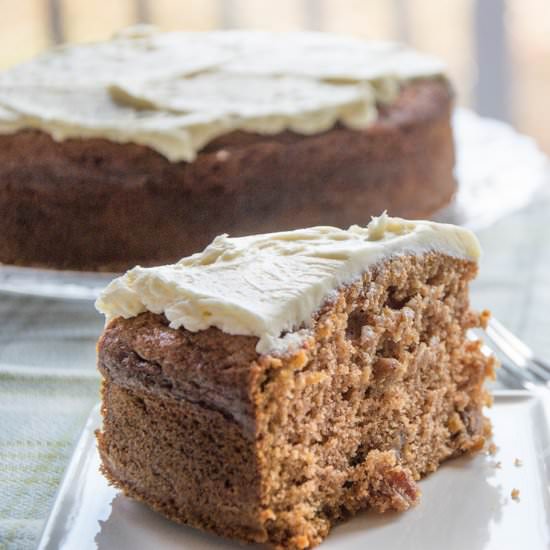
(41, 418)
(48, 383)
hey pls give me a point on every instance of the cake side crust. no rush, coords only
(185, 460)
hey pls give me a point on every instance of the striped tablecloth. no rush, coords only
(48, 382)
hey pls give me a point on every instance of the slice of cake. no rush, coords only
(272, 385)
(108, 148)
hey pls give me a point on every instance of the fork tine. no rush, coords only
(510, 375)
(522, 348)
(512, 338)
(522, 364)
(512, 379)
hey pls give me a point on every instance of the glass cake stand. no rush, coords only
(498, 171)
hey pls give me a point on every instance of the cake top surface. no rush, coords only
(177, 91)
(271, 285)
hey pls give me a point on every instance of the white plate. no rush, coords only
(498, 171)
(465, 505)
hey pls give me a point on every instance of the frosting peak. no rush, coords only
(271, 284)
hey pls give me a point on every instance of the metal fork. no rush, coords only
(520, 368)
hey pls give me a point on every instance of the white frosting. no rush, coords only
(175, 92)
(268, 285)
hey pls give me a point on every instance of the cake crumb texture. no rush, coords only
(277, 450)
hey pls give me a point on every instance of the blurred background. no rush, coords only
(497, 51)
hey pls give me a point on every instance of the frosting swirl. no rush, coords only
(175, 92)
(266, 285)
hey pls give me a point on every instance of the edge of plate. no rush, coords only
(61, 500)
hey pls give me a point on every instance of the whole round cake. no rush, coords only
(141, 149)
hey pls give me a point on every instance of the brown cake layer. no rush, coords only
(92, 204)
(278, 449)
